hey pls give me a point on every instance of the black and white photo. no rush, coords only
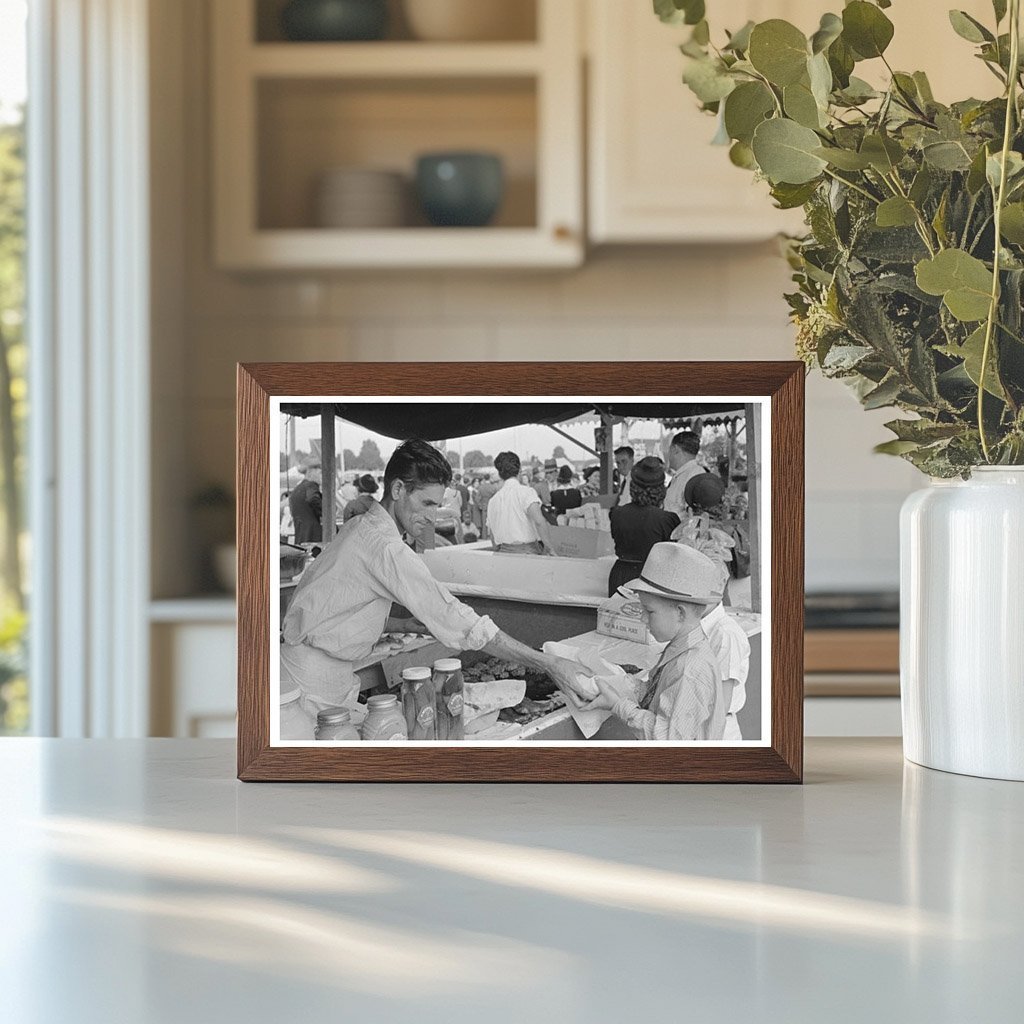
(489, 571)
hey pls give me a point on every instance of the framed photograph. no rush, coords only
(520, 572)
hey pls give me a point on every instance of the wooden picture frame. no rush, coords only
(778, 385)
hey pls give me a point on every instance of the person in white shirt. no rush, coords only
(732, 651)
(342, 603)
(683, 464)
(514, 519)
(624, 464)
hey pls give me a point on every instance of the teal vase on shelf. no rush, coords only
(330, 21)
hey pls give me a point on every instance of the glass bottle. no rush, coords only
(418, 703)
(295, 722)
(448, 689)
(384, 719)
(335, 724)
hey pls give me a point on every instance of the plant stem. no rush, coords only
(850, 184)
(993, 309)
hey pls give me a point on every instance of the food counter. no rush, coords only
(534, 598)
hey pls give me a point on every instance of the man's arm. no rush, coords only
(561, 670)
(535, 516)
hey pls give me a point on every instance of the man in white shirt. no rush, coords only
(624, 464)
(732, 651)
(683, 464)
(514, 519)
(342, 603)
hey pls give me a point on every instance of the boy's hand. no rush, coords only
(606, 699)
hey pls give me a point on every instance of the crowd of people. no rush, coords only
(653, 503)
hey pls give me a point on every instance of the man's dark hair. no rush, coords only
(625, 449)
(507, 464)
(565, 475)
(417, 464)
(366, 484)
(688, 441)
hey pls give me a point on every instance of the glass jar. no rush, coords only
(448, 689)
(384, 719)
(335, 724)
(418, 703)
(295, 723)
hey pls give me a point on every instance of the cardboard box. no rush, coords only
(621, 618)
(578, 542)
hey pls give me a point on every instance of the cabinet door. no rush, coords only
(654, 175)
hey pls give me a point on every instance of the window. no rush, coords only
(14, 703)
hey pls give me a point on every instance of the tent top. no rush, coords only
(438, 421)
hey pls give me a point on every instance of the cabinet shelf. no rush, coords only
(392, 60)
(286, 114)
(310, 248)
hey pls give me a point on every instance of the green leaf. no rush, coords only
(1014, 169)
(701, 33)
(1012, 224)
(947, 156)
(676, 12)
(921, 185)
(742, 155)
(739, 41)
(999, 6)
(923, 431)
(859, 91)
(963, 281)
(971, 352)
(924, 88)
(895, 447)
(883, 153)
(800, 105)
(885, 394)
(896, 212)
(844, 159)
(968, 28)
(789, 197)
(830, 29)
(820, 75)
(976, 175)
(866, 29)
(841, 60)
(745, 108)
(778, 50)
(707, 80)
(939, 220)
(785, 152)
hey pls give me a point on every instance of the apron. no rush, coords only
(325, 682)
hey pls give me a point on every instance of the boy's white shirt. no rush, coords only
(732, 649)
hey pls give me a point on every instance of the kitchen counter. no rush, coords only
(142, 883)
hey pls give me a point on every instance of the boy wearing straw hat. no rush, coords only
(684, 697)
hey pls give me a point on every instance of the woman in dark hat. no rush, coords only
(641, 524)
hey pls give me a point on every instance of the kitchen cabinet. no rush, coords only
(653, 175)
(286, 113)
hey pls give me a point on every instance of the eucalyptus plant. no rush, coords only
(910, 278)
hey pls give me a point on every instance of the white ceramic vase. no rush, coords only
(962, 624)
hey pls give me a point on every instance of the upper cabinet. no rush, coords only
(317, 144)
(653, 174)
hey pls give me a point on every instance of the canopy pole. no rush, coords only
(569, 437)
(327, 471)
(753, 432)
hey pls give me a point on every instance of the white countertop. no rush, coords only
(143, 884)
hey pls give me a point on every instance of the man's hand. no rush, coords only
(564, 673)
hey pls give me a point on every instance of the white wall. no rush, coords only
(653, 303)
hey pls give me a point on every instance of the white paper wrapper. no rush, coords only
(593, 665)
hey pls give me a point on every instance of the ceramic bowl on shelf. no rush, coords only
(361, 198)
(331, 21)
(470, 20)
(460, 189)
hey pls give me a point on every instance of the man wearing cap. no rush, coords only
(684, 697)
(306, 505)
(682, 463)
(343, 601)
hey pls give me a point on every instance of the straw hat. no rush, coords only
(678, 573)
